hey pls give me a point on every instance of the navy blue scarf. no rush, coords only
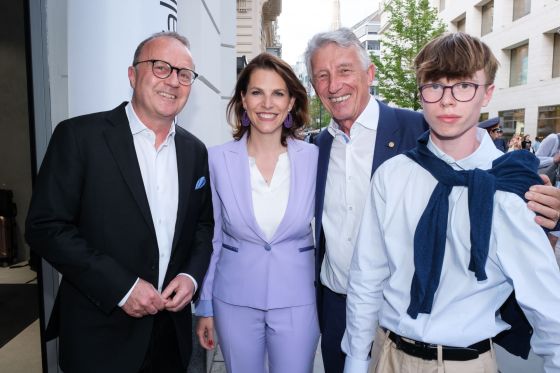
(513, 172)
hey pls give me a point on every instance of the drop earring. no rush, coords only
(245, 121)
(289, 121)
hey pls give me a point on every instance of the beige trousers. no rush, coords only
(386, 358)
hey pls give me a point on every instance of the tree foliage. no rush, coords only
(411, 24)
(320, 117)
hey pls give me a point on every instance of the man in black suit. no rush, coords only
(122, 209)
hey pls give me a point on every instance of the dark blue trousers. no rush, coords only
(333, 312)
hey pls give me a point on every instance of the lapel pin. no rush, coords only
(391, 144)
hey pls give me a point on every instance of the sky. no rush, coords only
(301, 19)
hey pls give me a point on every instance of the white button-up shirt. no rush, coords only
(159, 174)
(464, 310)
(348, 180)
(270, 200)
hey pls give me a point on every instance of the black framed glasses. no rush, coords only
(498, 130)
(462, 91)
(162, 70)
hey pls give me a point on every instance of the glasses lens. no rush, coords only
(463, 91)
(431, 92)
(185, 76)
(161, 69)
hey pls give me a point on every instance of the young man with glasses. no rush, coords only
(439, 249)
(122, 209)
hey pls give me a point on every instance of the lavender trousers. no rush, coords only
(276, 341)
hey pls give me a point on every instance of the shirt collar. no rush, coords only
(475, 160)
(368, 119)
(136, 125)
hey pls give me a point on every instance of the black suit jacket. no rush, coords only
(89, 217)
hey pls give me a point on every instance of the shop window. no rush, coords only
(549, 120)
(513, 121)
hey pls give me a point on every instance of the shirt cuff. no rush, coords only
(193, 280)
(204, 308)
(125, 298)
(353, 365)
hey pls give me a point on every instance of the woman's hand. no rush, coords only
(205, 332)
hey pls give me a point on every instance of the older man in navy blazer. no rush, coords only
(363, 134)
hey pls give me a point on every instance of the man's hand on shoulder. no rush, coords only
(545, 201)
(178, 293)
(144, 300)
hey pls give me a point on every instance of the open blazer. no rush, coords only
(90, 218)
(247, 269)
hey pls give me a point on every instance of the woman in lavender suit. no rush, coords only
(259, 292)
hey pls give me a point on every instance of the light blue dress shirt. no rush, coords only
(464, 310)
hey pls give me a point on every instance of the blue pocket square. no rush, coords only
(200, 183)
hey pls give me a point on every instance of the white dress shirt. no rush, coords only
(159, 174)
(270, 200)
(348, 180)
(463, 310)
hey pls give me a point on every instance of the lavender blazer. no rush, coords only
(246, 268)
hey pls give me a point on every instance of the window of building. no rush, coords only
(372, 45)
(441, 5)
(373, 29)
(483, 117)
(242, 6)
(519, 61)
(549, 120)
(460, 24)
(556, 56)
(487, 18)
(521, 8)
(513, 121)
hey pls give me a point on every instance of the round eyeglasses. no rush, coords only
(162, 70)
(462, 91)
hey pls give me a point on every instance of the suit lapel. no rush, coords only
(387, 140)
(293, 197)
(324, 142)
(237, 161)
(185, 159)
(119, 140)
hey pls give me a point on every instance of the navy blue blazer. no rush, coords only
(397, 132)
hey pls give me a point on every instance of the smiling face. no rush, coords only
(157, 101)
(453, 123)
(267, 102)
(341, 82)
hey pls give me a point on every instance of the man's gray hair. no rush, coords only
(343, 37)
(167, 34)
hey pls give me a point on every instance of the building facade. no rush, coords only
(368, 32)
(525, 37)
(257, 29)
